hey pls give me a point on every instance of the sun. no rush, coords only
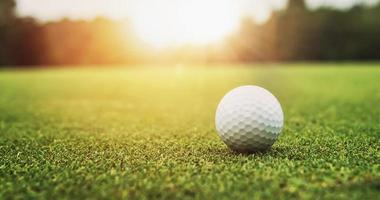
(185, 22)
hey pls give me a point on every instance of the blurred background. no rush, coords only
(109, 32)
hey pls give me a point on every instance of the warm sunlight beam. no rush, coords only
(183, 22)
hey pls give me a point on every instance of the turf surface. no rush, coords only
(149, 133)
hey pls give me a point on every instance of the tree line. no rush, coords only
(292, 34)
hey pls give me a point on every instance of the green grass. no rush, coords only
(149, 133)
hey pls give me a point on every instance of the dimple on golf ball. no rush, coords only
(249, 119)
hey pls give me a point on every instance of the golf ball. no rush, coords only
(249, 119)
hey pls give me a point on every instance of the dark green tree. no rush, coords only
(6, 18)
(7, 8)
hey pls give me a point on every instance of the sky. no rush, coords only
(52, 10)
(167, 23)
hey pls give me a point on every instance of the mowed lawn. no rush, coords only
(110, 133)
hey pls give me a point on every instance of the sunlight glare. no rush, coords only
(174, 23)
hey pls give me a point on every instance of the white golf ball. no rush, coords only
(249, 119)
